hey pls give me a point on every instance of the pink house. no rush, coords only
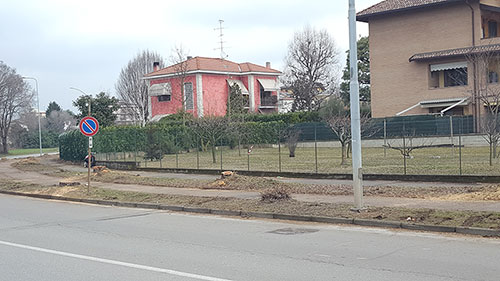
(206, 87)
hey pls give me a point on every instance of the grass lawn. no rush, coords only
(474, 160)
(26, 151)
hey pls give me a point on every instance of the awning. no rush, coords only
(444, 102)
(448, 103)
(268, 85)
(160, 89)
(158, 117)
(446, 66)
(243, 89)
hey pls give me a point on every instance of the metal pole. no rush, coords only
(38, 113)
(198, 154)
(357, 172)
(460, 153)
(90, 152)
(385, 137)
(279, 152)
(89, 162)
(451, 136)
(404, 155)
(315, 148)
(176, 152)
(221, 155)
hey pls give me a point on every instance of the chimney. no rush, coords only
(189, 57)
(156, 66)
(268, 64)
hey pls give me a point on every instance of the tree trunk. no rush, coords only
(5, 147)
(214, 160)
(495, 144)
(491, 153)
(344, 149)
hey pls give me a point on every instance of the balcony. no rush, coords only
(269, 102)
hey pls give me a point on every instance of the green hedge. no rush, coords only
(73, 146)
(164, 138)
(287, 118)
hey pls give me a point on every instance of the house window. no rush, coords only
(265, 97)
(434, 79)
(455, 77)
(188, 96)
(164, 98)
(448, 74)
(493, 77)
(492, 28)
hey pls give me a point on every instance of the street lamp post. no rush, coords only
(38, 113)
(357, 172)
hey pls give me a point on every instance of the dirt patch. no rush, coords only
(491, 194)
(51, 167)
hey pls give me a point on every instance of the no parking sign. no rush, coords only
(89, 126)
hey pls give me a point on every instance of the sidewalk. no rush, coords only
(7, 171)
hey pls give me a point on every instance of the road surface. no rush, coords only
(48, 240)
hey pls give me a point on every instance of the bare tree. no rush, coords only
(15, 95)
(132, 89)
(60, 121)
(179, 60)
(311, 68)
(291, 136)
(211, 130)
(338, 117)
(486, 96)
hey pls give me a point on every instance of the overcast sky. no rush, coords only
(85, 44)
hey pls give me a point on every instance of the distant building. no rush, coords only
(125, 114)
(285, 101)
(206, 87)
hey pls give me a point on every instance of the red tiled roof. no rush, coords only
(389, 6)
(495, 48)
(214, 64)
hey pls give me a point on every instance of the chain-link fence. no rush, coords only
(430, 145)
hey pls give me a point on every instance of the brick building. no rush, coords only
(206, 84)
(420, 55)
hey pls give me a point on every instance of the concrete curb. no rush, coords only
(330, 220)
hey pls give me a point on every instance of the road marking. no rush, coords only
(120, 263)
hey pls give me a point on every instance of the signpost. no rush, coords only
(89, 127)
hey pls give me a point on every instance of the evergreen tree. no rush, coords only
(236, 102)
(103, 108)
(53, 106)
(363, 73)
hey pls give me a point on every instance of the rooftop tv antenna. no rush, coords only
(223, 55)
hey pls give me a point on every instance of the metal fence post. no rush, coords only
(279, 151)
(135, 146)
(451, 136)
(404, 155)
(315, 148)
(161, 149)
(198, 154)
(221, 155)
(460, 153)
(385, 137)
(176, 152)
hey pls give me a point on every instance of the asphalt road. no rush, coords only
(45, 240)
